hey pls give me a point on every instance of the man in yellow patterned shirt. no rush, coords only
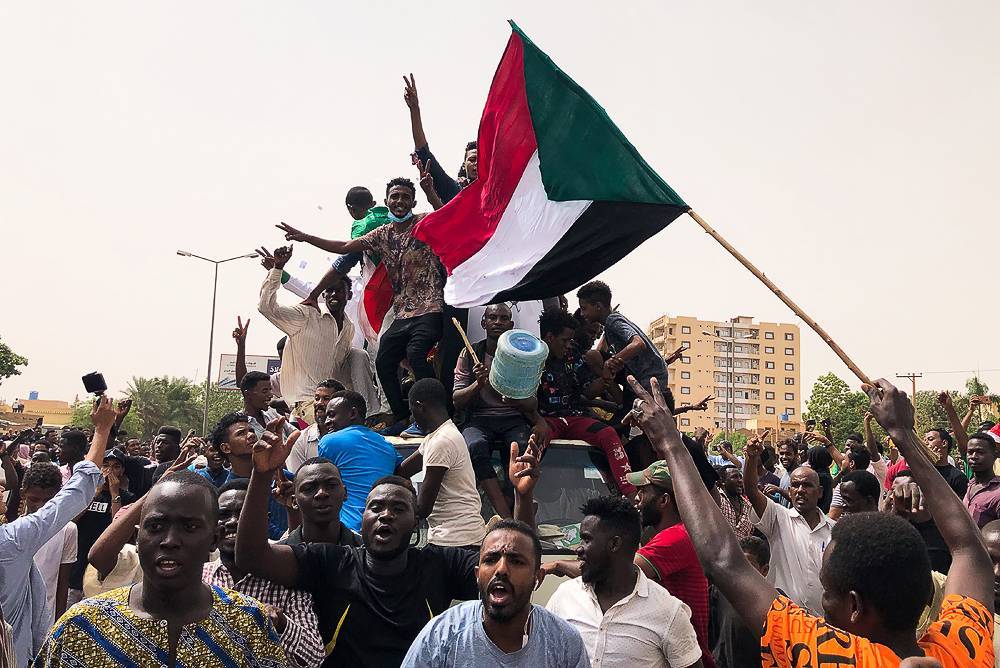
(170, 618)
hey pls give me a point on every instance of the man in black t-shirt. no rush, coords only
(371, 601)
(97, 517)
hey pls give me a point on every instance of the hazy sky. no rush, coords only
(849, 149)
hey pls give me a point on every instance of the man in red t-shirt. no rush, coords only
(669, 557)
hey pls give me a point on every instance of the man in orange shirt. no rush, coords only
(875, 574)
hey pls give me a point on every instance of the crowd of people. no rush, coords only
(296, 532)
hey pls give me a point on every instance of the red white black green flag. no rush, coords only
(561, 195)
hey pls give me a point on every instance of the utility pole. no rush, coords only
(913, 383)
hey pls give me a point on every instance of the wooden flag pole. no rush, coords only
(795, 309)
(468, 346)
(783, 297)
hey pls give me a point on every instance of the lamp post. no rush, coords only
(211, 326)
(730, 379)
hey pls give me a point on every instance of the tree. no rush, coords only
(974, 387)
(930, 414)
(165, 401)
(737, 439)
(9, 361)
(81, 418)
(832, 398)
(220, 402)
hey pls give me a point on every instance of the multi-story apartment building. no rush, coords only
(752, 370)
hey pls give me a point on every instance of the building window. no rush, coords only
(768, 365)
(789, 336)
(768, 335)
(685, 390)
(789, 396)
(769, 380)
(685, 329)
(789, 381)
(790, 411)
(769, 410)
(670, 331)
(686, 344)
(686, 360)
(769, 395)
(789, 366)
(685, 422)
(685, 375)
(768, 350)
(789, 351)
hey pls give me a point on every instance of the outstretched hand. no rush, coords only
(944, 398)
(103, 414)
(276, 259)
(271, 449)
(426, 180)
(410, 92)
(240, 333)
(292, 234)
(284, 490)
(703, 404)
(523, 470)
(890, 406)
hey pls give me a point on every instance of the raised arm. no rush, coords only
(719, 552)
(870, 442)
(254, 553)
(700, 406)
(971, 572)
(617, 361)
(427, 184)
(751, 477)
(961, 436)
(413, 102)
(523, 470)
(974, 403)
(240, 336)
(30, 532)
(103, 415)
(329, 245)
(329, 280)
(838, 457)
(289, 319)
(445, 187)
(103, 555)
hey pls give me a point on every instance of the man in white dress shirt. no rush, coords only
(319, 343)
(798, 535)
(623, 617)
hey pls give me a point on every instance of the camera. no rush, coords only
(94, 383)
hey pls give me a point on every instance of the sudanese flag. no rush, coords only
(561, 195)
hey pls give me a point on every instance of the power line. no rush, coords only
(965, 371)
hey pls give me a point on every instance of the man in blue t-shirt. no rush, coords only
(361, 455)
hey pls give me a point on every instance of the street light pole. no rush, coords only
(211, 325)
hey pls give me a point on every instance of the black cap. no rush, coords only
(115, 454)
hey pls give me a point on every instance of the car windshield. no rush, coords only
(571, 474)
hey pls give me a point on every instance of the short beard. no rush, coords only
(650, 516)
(506, 615)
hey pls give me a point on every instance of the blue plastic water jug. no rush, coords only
(518, 363)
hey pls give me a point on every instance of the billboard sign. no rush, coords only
(227, 368)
